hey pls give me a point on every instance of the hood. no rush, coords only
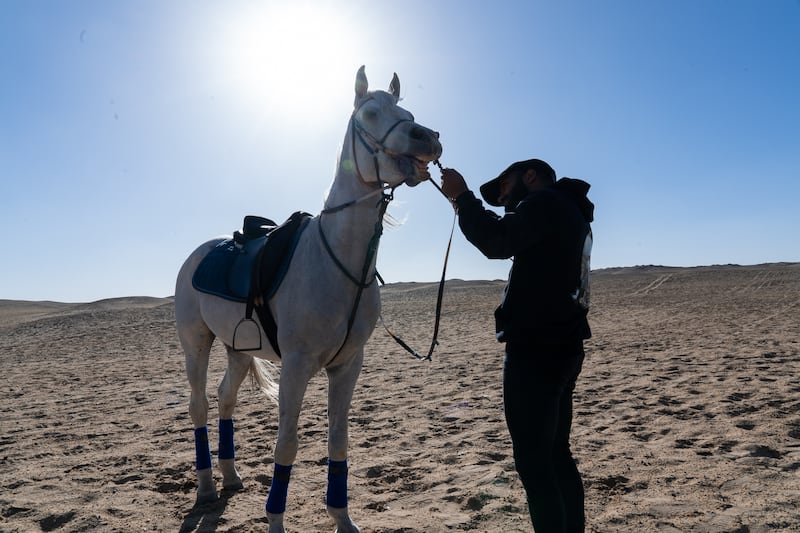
(576, 189)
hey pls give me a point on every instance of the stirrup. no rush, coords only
(236, 329)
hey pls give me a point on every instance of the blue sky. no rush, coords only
(133, 131)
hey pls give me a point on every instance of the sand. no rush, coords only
(687, 415)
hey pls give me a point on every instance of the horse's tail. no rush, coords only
(262, 375)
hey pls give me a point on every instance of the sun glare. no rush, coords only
(286, 58)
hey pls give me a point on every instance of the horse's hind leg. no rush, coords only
(238, 365)
(197, 348)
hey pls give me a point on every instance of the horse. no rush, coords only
(326, 307)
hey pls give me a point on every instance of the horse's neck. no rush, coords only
(350, 230)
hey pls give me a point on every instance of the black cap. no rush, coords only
(491, 189)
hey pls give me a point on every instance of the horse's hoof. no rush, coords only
(231, 480)
(234, 485)
(344, 524)
(275, 523)
(352, 528)
(204, 498)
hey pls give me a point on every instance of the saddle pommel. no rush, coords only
(253, 228)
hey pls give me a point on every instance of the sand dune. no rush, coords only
(687, 415)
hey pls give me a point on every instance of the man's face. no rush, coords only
(512, 191)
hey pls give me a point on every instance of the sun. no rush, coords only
(285, 58)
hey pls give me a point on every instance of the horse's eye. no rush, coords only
(370, 114)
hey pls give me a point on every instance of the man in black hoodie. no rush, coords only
(542, 320)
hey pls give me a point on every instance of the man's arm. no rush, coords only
(495, 237)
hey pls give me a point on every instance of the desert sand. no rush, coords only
(687, 415)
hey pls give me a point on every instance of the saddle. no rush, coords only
(251, 266)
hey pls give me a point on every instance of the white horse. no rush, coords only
(326, 307)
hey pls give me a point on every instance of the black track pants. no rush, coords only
(538, 407)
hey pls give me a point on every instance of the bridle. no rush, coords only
(374, 147)
(372, 144)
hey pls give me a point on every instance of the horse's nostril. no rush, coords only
(419, 133)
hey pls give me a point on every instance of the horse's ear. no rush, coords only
(361, 84)
(394, 87)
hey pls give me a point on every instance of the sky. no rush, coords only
(133, 131)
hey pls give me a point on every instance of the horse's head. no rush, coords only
(389, 147)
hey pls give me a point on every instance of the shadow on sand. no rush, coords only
(206, 518)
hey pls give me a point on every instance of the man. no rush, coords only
(542, 320)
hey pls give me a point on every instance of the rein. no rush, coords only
(439, 294)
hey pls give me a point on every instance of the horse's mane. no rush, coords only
(391, 221)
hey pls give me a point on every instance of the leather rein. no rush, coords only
(376, 146)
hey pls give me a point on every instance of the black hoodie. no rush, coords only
(549, 236)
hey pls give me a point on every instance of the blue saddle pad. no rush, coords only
(227, 270)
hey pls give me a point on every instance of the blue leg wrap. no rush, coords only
(337, 484)
(201, 448)
(226, 450)
(276, 501)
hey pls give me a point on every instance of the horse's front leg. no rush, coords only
(295, 374)
(341, 383)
